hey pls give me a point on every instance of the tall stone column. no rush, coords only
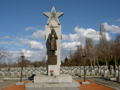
(53, 42)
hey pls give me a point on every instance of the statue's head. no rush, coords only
(52, 31)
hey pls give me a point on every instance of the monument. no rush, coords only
(53, 79)
(53, 41)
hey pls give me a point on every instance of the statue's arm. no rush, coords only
(56, 37)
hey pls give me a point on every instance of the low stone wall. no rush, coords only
(101, 71)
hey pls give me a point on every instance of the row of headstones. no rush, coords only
(91, 71)
(16, 72)
(101, 71)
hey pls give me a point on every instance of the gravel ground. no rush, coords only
(4, 84)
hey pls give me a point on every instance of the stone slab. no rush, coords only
(113, 79)
(53, 86)
(20, 83)
(13, 78)
(53, 79)
(86, 82)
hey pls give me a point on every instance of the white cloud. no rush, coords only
(9, 43)
(82, 33)
(71, 37)
(112, 28)
(32, 43)
(70, 45)
(29, 54)
(23, 40)
(107, 36)
(38, 34)
(36, 45)
(87, 33)
(29, 28)
(14, 54)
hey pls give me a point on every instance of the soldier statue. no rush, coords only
(51, 43)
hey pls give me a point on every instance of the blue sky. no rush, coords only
(20, 19)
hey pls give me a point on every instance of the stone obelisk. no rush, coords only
(53, 41)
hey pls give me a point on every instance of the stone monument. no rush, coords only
(53, 41)
(53, 79)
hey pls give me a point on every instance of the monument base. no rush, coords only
(53, 69)
(61, 82)
(53, 79)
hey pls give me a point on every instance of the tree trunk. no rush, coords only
(21, 74)
(115, 66)
(84, 74)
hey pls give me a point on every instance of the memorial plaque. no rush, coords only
(52, 60)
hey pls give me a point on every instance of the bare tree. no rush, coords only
(4, 56)
(90, 51)
(104, 46)
(21, 65)
(116, 53)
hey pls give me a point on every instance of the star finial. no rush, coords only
(53, 15)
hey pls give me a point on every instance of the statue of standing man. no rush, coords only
(51, 43)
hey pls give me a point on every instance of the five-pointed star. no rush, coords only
(53, 15)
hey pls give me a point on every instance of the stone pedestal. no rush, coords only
(61, 82)
(53, 79)
(55, 86)
(53, 70)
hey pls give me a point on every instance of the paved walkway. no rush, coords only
(91, 86)
(5, 84)
(108, 83)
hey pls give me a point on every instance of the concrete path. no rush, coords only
(108, 83)
(4, 84)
